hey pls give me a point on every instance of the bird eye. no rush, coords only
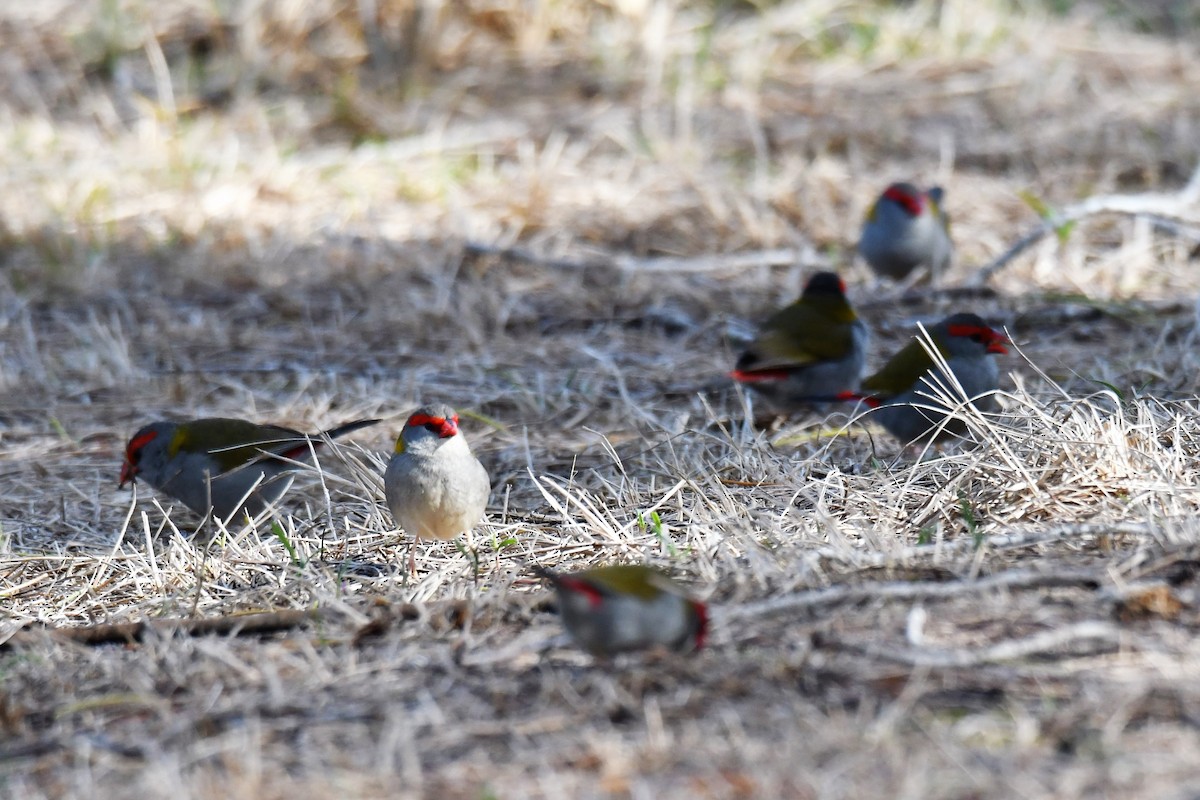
(431, 427)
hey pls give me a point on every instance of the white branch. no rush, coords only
(1175, 212)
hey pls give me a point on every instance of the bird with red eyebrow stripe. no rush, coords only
(907, 228)
(227, 465)
(610, 610)
(905, 390)
(816, 346)
(435, 486)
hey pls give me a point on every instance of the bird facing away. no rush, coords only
(226, 465)
(435, 487)
(904, 389)
(817, 346)
(904, 229)
(610, 610)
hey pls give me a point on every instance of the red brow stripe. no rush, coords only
(137, 443)
(993, 339)
(984, 332)
(910, 204)
(417, 420)
(141, 441)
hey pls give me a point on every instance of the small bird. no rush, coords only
(816, 346)
(610, 610)
(435, 487)
(905, 229)
(226, 465)
(904, 390)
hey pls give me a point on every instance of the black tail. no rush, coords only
(349, 427)
(542, 572)
(302, 449)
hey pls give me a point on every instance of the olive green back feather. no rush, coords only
(809, 330)
(634, 580)
(232, 442)
(901, 372)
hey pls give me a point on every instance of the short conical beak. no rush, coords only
(128, 473)
(449, 428)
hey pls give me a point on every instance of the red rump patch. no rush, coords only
(994, 340)
(913, 204)
(865, 399)
(300, 450)
(593, 595)
(701, 623)
(133, 454)
(762, 376)
(443, 427)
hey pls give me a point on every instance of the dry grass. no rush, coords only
(299, 212)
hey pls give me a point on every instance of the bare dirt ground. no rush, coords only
(563, 218)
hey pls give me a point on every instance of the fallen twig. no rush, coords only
(908, 590)
(1107, 634)
(1165, 210)
(256, 624)
(992, 541)
(721, 262)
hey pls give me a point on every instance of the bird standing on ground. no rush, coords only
(226, 465)
(817, 346)
(905, 390)
(907, 228)
(435, 487)
(610, 610)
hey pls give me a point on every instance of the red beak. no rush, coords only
(448, 428)
(128, 473)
